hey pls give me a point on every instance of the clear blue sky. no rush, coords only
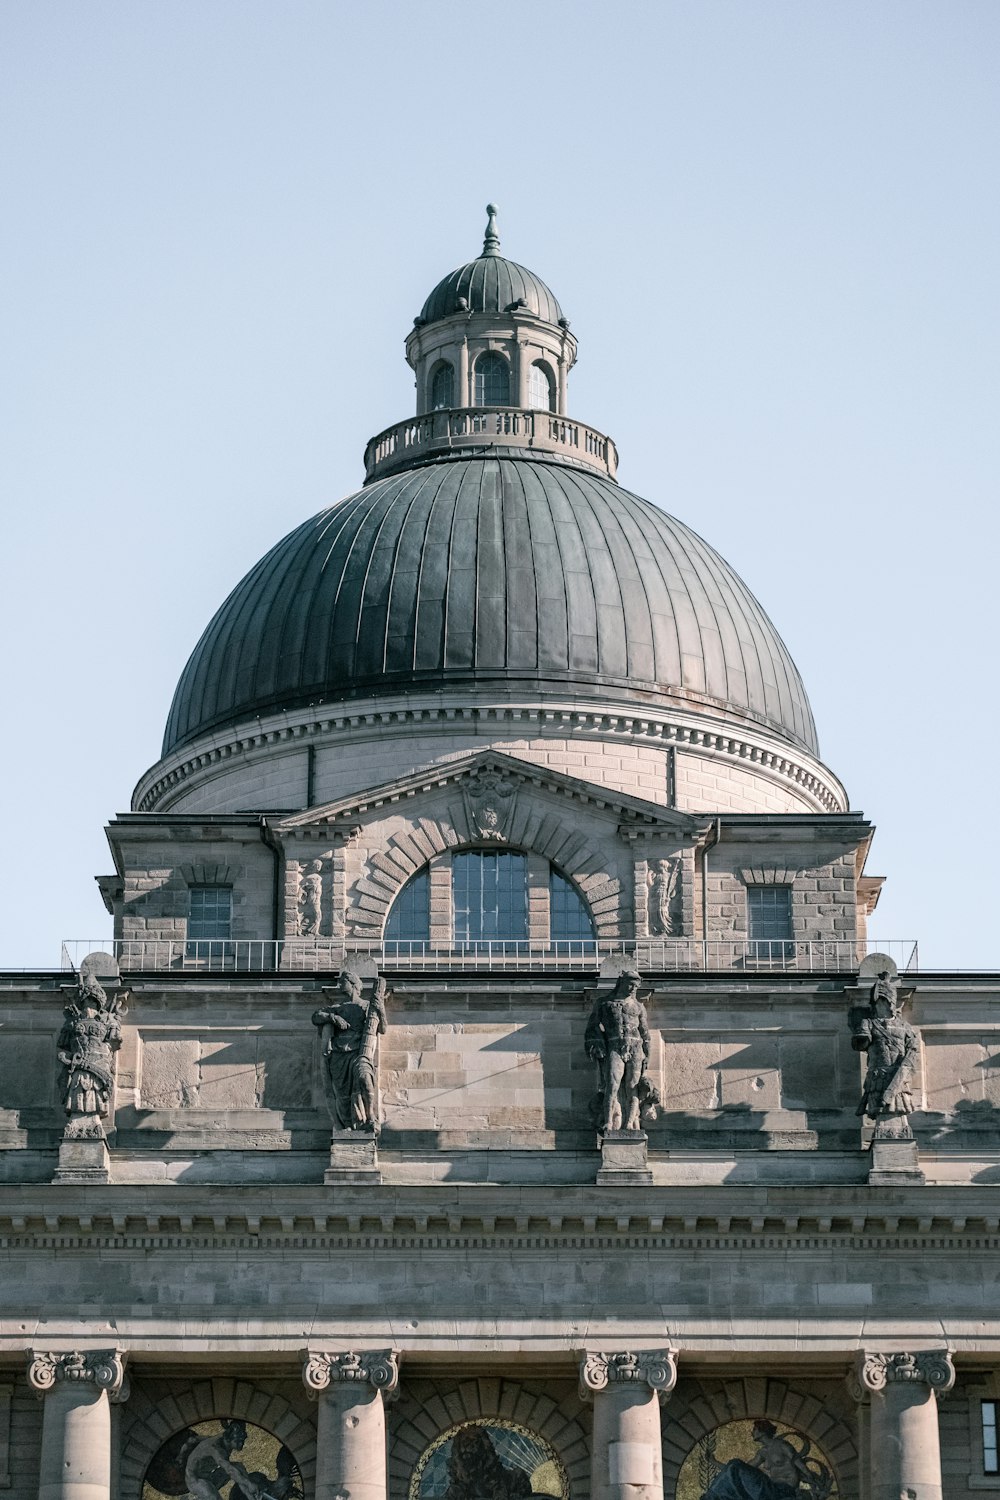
(775, 227)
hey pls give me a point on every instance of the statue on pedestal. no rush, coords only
(349, 1028)
(91, 1035)
(617, 1040)
(893, 1048)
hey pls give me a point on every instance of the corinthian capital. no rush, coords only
(101, 1367)
(656, 1368)
(376, 1367)
(932, 1367)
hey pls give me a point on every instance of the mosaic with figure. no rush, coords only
(489, 1460)
(227, 1459)
(756, 1460)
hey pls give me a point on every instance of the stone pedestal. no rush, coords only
(905, 1447)
(623, 1158)
(353, 1157)
(76, 1423)
(894, 1156)
(350, 1427)
(83, 1153)
(627, 1389)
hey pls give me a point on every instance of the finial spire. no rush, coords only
(491, 244)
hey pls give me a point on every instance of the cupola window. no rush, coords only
(541, 388)
(443, 387)
(492, 380)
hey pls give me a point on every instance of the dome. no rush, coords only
(507, 575)
(490, 284)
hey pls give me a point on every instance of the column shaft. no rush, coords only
(76, 1443)
(905, 1447)
(626, 1461)
(350, 1443)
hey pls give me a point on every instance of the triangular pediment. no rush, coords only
(471, 772)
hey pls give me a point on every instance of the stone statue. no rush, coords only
(349, 1029)
(661, 900)
(892, 1046)
(311, 900)
(617, 1040)
(91, 1035)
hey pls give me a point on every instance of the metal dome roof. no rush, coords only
(490, 284)
(504, 574)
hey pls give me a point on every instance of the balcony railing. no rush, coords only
(496, 426)
(325, 955)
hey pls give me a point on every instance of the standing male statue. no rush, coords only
(893, 1048)
(91, 1035)
(617, 1040)
(349, 1029)
(311, 900)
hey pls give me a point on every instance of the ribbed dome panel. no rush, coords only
(490, 284)
(508, 575)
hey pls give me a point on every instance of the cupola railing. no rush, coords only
(439, 432)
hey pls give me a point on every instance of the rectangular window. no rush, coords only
(210, 922)
(769, 921)
(490, 895)
(990, 1463)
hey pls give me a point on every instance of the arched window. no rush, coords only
(492, 380)
(408, 926)
(541, 388)
(443, 386)
(569, 918)
(490, 897)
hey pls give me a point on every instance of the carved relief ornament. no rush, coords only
(656, 1368)
(489, 801)
(932, 1367)
(104, 1368)
(376, 1367)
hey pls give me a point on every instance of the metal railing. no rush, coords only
(500, 426)
(318, 955)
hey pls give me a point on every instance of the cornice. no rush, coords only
(752, 747)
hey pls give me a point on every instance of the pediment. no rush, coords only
(491, 779)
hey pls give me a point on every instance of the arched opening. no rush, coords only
(408, 927)
(569, 916)
(442, 386)
(492, 380)
(541, 387)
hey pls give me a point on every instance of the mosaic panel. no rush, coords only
(488, 1460)
(225, 1459)
(756, 1460)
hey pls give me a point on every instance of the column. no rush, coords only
(905, 1448)
(76, 1423)
(627, 1391)
(350, 1429)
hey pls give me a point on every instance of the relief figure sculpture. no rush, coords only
(210, 1465)
(311, 900)
(349, 1029)
(893, 1048)
(662, 897)
(617, 1040)
(91, 1035)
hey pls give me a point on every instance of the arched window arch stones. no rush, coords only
(822, 1413)
(431, 841)
(427, 1407)
(157, 1409)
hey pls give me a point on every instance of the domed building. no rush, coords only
(491, 1025)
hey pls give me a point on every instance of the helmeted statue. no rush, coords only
(349, 1028)
(617, 1040)
(91, 1035)
(893, 1047)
